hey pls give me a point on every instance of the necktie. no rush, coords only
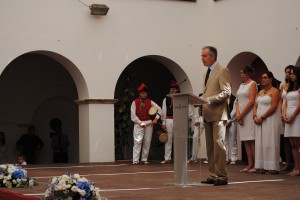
(207, 75)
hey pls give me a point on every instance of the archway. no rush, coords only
(156, 72)
(245, 58)
(36, 88)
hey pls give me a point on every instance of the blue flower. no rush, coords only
(18, 174)
(86, 187)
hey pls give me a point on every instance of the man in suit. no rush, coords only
(217, 90)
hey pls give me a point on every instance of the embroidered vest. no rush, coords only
(142, 114)
(169, 106)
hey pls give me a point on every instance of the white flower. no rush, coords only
(11, 169)
(92, 187)
(8, 177)
(57, 188)
(74, 188)
(65, 177)
(77, 176)
(54, 180)
(81, 192)
(31, 183)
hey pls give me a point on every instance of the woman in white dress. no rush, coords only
(292, 118)
(285, 146)
(246, 95)
(266, 116)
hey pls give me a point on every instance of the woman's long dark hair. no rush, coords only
(271, 76)
(290, 67)
(295, 85)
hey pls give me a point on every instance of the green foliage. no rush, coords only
(123, 123)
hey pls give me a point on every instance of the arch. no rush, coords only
(245, 58)
(156, 72)
(75, 73)
(38, 84)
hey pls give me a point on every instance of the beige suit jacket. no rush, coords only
(217, 90)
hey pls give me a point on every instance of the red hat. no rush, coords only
(143, 87)
(174, 84)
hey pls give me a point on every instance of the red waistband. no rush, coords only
(169, 117)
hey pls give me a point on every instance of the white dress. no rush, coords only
(245, 131)
(283, 96)
(292, 129)
(267, 136)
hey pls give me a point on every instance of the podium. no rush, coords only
(181, 102)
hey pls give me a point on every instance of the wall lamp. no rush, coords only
(98, 9)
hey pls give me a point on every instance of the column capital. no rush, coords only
(96, 101)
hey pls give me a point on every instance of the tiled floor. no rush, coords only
(124, 181)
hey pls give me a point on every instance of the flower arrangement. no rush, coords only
(14, 176)
(70, 186)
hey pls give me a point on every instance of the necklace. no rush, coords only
(266, 90)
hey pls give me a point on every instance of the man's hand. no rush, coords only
(154, 121)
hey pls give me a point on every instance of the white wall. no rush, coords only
(135, 28)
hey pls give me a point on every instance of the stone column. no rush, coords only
(96, 130)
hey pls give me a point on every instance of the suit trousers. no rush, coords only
(216, 152)
(142, 137)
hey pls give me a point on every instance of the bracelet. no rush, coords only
(254, 116)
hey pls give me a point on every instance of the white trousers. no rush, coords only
(231, 142)
(142, 137)
(168, 144)
(196, 138)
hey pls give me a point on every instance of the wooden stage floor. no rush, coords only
(123, 181)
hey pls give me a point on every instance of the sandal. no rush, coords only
(192, 161)
(135, 162)
(253, 170)
(244, 170)
(165, 161)
(295, 173)
(292, 172)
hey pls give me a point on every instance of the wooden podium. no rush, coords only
(181, 102)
